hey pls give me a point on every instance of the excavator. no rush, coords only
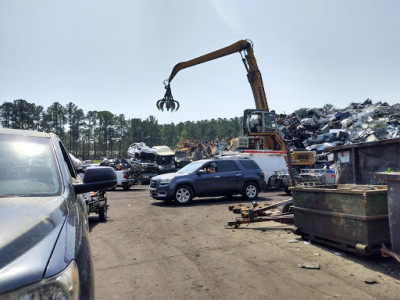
(259, 127)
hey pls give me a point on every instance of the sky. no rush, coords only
(115, 55)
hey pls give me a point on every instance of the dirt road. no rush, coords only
(151, 250)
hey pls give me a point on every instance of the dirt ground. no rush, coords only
(152, 250)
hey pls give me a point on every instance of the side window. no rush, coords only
(67, 161)
(249, 164)
(228, 166)
(211, 167)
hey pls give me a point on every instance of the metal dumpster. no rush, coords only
(349, 217)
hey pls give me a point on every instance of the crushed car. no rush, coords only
(165, 159)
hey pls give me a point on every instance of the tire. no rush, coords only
(103, 211)
(126, 187)
(286, 208)
(183, 194)
(250, 191)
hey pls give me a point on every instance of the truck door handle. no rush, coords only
(238, 174)
(217, 177)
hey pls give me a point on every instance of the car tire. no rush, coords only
(250, 191)
(183, 194)
(103, 211)
(126, 187)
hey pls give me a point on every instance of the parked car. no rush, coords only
(233, 175)
(181, 159)
(44, 244)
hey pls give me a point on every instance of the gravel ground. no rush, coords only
(152, 250)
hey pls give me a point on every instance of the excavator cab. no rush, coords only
(260, 131)
(258, 121)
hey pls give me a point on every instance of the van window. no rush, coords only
(249, 164)
(228, 166)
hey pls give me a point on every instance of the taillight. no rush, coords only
(125, 176)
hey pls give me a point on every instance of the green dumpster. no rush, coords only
(349, 217)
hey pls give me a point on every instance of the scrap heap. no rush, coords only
(320, 129)
(198, 149)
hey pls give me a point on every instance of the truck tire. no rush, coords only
(250, 191)
(183, 194)
(103, 211)
(126, 186)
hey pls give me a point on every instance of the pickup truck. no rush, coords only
(125, 179)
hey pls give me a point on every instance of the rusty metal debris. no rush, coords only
(318, 129)
(252, 214)
(168, 100)
(386, 253)
(198, 149)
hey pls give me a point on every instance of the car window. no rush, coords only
(228, 166)
(28, 167)
(68, 162)
(249, 164)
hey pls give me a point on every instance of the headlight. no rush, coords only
(64, 285)
(166, 181)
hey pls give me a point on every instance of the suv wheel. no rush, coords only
(250, 191)
(183, 194)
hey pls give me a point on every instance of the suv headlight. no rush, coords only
(64, 285)
(166, 181)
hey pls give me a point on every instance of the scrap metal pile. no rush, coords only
(198, 149)
(321, 129)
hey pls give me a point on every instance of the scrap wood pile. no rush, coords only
(198, 149)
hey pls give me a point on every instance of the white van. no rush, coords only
(270, 162)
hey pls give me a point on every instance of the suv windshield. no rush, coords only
(28, 167)
(190, 168)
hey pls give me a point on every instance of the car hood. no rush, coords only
(29, 231)
(168, 176)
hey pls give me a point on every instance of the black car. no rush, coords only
(227, 175)
(44, 245)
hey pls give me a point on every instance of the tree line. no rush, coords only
(97, 134)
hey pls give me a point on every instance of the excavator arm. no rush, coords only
(245, 48)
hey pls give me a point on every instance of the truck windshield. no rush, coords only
(28, 167)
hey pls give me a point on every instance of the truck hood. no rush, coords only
(29, 230)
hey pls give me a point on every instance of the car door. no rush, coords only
(209, 183)
(232, 176)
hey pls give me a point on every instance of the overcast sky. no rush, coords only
(115, 55)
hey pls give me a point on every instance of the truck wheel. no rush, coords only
(103, 211)
(126, 186)
(250, 191)
(183, 194)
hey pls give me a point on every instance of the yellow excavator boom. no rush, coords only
(245, 48)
